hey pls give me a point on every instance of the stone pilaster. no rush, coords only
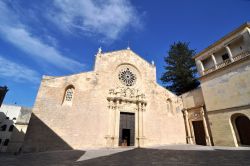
(208, 140)
(189, 137)
(140, 124)
(117, 122)
(109, 135)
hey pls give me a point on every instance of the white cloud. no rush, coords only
(13, 31)
(108, 18)
(17, 72)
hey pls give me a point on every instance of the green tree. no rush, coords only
(180, 70)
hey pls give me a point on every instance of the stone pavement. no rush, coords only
(158, 155)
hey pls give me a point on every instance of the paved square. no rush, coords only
(163, 155)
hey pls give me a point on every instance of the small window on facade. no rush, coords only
(69, 94)
(6, 142)
(225, 57)
(3, 127)
(169, 105)
(14, 119)
(11, 128)
(0, 141)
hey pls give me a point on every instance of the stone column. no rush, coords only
(110, 124)
(140, 125)
(214, 60)
(229, 53)
(117, 122)
(189, 137)
(200, 67)
(208, 141)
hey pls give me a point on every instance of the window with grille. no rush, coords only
(69, 93)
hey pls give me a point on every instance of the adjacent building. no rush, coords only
(223, 101)
(13, 126)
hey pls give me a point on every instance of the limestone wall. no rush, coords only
(227, 88)
(193, 98)
(221, 126)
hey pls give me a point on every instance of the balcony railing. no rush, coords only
(227, 62)
(241, 55)
(209, 70)
(224, 63)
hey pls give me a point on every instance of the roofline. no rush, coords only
(110, 52)
(240, 28)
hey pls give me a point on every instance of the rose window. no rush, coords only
(127, 77)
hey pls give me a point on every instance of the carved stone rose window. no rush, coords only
(127, 77)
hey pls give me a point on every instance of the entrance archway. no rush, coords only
(242, 127)
(126, 107)
(199, 132)
(127, 129)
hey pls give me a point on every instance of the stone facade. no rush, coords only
(83, 110)
(225, 78)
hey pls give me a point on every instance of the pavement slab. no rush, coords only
(172, 155)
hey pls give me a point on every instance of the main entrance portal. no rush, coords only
(127, 129)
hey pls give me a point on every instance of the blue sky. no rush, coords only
(61, 37)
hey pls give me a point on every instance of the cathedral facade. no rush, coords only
(119, 103)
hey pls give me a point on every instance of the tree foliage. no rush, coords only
(180, 70)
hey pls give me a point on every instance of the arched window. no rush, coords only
(3, 127)
(69, 94)
(169, 105)
(11, 128)
(241, 124)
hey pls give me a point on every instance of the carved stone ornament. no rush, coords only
(126, 94)
(127, 77)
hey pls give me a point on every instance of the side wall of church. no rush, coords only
(164, 122)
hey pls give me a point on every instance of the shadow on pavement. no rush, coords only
(171, 157)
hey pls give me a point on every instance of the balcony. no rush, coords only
(227, 62)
